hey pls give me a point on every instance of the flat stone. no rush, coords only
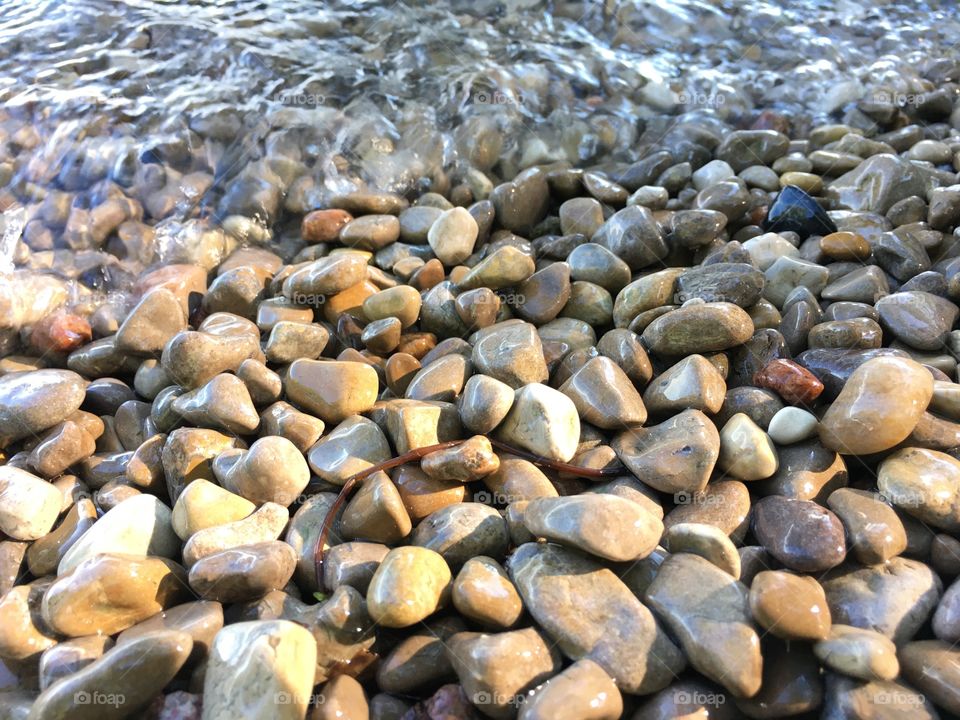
(607, 526)
(708, 610)
(878, 407)
(698, 328)
(858, 653)
(505, 267)
(110, 592)
(924, 483)
(894, 599)
(327, 276)
(590, 613)
(128, 677)
(260, 670)
(462, 531)
(410, 585)
(243, 573)
(919, 319)
(31, 402)
(801, 534)
(543, 421)
(204, 504)
(264, 524)
(737, 283)
(352, 446)
(792, 607)
(332, 390)
(584, 691)
(931, 667)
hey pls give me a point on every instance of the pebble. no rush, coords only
(607, 526)
(792, 425)
(352, 564)
(462, 531)
(633, 235)
(322, 226)
(243, 573)
(264, 524)
(791, 381)
(694, 383)
(858, 653)
(452, 236)
(699, 328)
(590, 613)
(352, 446)
(875, 532)
(110, 592)
(466, 462)
(152, 322)
(272, 470)
(494, 669)
(262, 670)
(25, 635)
(604, 396)
(484, 403)
(707, 541)
(376, 512)
(794, 210)
(593, 263)
(138, 526)
(584, 691)
(801, 534)
(879, 406)
(746, 451)
(543, 421)
(792, 607)
(925, 484)
(737, 283)
(332, 390)
(919, 319)
(45, 554)
(894, 599)
(342, 697)
(676, 456)
(505, 267)
(29, 506)
(203, 504)
(845, 246)
(931, 667)
(327, 276)
(31, 402)
(128, 676)
(370, 232)
(855, 699)
(410, 584)
(511, 353)
(223, 403)
(483, 593)
(708, 610)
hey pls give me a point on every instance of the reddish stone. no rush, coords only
(60, 332)
(417, 344)
(792, 382)
(427, 276)
(323, 225)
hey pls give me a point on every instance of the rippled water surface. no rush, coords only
(389, 94)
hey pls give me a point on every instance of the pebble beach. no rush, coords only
(517, 360)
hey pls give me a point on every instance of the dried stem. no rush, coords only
(419, 454)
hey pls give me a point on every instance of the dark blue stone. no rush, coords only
(795, 211)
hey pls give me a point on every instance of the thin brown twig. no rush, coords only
(419, 454)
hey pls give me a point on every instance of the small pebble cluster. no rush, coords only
(699, 434)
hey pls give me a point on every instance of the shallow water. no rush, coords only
(368, 94)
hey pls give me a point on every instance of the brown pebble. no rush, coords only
(793, 382)
(845, 246)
